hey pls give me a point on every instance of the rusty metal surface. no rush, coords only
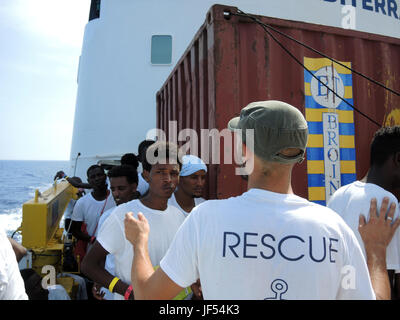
(231, 63)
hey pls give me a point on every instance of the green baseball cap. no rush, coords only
(277, 126)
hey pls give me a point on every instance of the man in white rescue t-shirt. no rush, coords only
(11, 283)
(164, 220)
(381, 181)
(279, 245)
(191, 184)
(98, 263)
(90, 207)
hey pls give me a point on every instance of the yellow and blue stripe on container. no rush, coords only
(331, 154)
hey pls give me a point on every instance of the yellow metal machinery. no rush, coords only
(41, 234)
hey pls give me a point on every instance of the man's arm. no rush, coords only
(76, 230)
(147, 283)
(77, 183)
(19, 250)
(93, 267)
(376, 235)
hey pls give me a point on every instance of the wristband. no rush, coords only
(128, 293)
(113, 283)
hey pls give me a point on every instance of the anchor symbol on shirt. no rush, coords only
(279, 287)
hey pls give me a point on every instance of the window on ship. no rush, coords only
(161, 49)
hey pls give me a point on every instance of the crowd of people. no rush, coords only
(151, 235)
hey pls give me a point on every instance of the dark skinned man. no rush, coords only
(90, 207)
(164, 220)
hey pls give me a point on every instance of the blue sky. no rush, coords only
(40, 43)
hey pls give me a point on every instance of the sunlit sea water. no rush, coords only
(18, 182)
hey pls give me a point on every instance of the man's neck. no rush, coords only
(154, 202)
(273, 187)
(275, 181)
(100, 194)
(377, 177)
(185, 201)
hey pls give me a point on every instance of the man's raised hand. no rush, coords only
(380, 228)
(136, 230)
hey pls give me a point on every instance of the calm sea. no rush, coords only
(18, 182)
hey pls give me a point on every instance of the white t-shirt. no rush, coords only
(12, 285)
(143, 185)
(172, 201)
(163, 226)
(88, 210)
(353, 199)
(265, 245)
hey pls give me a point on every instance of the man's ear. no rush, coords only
(146, 175)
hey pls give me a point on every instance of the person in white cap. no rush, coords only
(191, 184)
(267, 243)
(187, 195)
